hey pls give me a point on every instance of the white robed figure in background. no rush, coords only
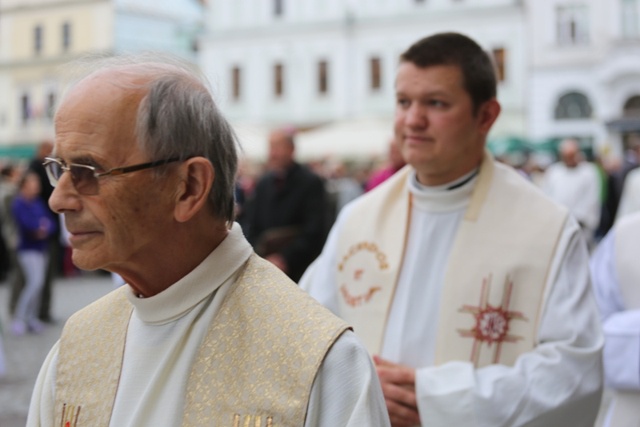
(615, 268)
(575, 184)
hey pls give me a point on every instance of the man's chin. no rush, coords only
(84, 262)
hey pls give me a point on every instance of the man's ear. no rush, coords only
(487, 115)
(196, 177)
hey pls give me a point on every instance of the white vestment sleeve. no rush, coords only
(346, 390)
(559, 383)
(320, 277)
(41, 408)
(589, 211)
(621, 327)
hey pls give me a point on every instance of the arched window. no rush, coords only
(573, 105)
(632, 106)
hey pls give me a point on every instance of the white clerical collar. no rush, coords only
(449, 197)
(200, 283)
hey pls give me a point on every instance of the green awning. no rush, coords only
(507, 145)
(18, 152)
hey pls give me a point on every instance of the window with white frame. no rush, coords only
(278, 7)
(37, 39)
(375, 73)
(573, 105)
(25, 109)
(236, 82)
(323, 77)
(629, 19)
(499, 59)
(632, 107)
(51, 105)
(278, 80)
(66, 36)
(572, 24)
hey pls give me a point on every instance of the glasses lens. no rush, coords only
(54, 170)
(83, 179)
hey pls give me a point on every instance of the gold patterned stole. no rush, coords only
(258, 361)
(495, 277)
(255, 367)
(90, 361)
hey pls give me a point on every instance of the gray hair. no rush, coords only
(178, 118)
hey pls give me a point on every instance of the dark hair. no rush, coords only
(478, 71)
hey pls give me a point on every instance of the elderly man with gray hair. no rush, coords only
(204, 332)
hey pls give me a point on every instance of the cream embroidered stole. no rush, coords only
(626, 409)
(256, 365)
(495, 279)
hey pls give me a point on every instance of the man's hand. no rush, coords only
(399, 389)
(279, 261)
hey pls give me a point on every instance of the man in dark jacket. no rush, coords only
(285, 220)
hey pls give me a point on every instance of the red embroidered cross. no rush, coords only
(491, 322)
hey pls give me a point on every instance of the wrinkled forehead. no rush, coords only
(99, 113)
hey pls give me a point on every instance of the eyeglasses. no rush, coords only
(85, 177)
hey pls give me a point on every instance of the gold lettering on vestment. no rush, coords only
(257, 421)
(70, 415)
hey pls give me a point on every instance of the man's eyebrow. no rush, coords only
(82, 159)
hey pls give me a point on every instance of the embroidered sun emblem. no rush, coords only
(357, 288)
(491, 322)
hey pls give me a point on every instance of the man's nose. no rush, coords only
(416, 116)
(64, 196)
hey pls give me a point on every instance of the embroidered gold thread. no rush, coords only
(258, 422)
(75, 423)
(247, 421)
(70, 415)
(64, 409)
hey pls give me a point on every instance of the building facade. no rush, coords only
(567, 68)
(585, 72)
(310, 63)
(37, 37)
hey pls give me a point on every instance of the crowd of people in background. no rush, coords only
(303, 217)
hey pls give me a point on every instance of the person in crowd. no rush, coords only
(285, 220)
(54, 247)
(615, 271)
(11, 176)
(35, 226)
(3, 363)
(575, 184)
(341, 186)
(395, 162)
(468, 286)
(630, 198)
(204, 332)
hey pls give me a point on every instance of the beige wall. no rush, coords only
(38, 75)
(91, 29)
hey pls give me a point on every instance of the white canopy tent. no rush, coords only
(253, 140)
(360, 139)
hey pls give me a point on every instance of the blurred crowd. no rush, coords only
(598, 190)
